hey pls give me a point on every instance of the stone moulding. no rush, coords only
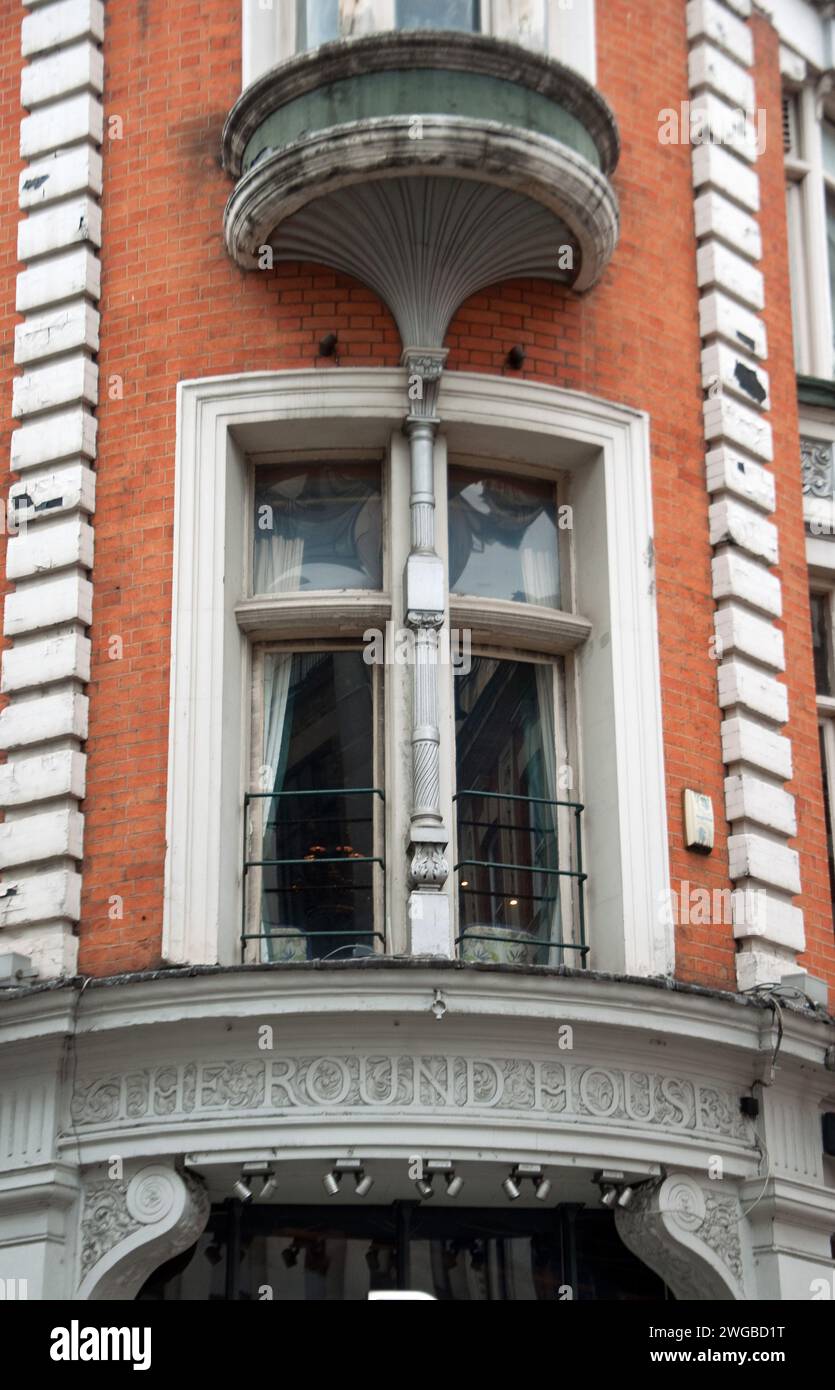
(397, 51)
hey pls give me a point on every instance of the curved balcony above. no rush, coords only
(453, 160)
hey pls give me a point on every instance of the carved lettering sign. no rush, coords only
(553, 1090)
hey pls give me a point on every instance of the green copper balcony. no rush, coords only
(454, 159)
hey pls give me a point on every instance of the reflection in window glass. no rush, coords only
(819, 604)
(503, 538)
(318, 22)
(318, 743)
(507, 845)
(317, 527)
(438, 14)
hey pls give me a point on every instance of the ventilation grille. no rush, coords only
(790, 124)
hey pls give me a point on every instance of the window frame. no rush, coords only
(808, 185)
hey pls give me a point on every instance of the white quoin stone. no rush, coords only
(722, 317)
(735, 576)
(61, 23)
(728, 471)
(59, 174)
(714, 119)
(730, 370)
(743, 684)
(44, 897)
(708, 19)
(761, 963)
(73, 378)
(60, 124)
(757, 857)
(48, 603)
(41, 496)
(765, 917)
(63, 276)
(716, 167)
(738, 425)
(31, 665)
(717, 216)
(739, 630)
(733, 521)
(59, 714)
(73, 69)
(63, 435)
(43, 777)
(744, 741)
(53, 228)
(49, 835)
(53, 546)
(57, 331)
(717, 265)
(749, 798)
(708, 67)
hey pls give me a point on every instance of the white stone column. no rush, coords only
(425, 603)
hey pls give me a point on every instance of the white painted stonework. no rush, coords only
(485, 1087)
(50, 561)
(750, 647)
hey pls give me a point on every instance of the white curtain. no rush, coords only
(545, 676)
(540, 576)
(278, 563)
(277, 671)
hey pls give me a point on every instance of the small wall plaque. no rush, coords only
(698, 821)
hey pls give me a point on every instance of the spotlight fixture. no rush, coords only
(453, 1184)
(269, 1186)
(257, 1169)
(242, 1190)
(424, 1187)
(327, 345)
(625, 1198)
(214, 1254)
(611, 1182)
(516, 357)
(362, 1182)
(526, 1172)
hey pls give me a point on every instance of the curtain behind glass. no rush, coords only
(503, 538)
(318, 738)
(505, 743)
(317, 527)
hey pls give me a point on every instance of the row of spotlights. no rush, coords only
(362, 1182)
(242, 1187)
(521, 1173)
(612, 1191)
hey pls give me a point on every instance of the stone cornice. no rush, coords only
(472, 53)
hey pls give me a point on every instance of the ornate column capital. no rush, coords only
(424, 367)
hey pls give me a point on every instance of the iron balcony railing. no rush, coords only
(303, 874)
(494, 877)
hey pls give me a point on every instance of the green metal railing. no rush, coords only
(307, 862)
(491, 933)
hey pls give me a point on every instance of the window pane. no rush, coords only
(318, 22)
(503, 538)
(830, 242)
(828, 139)
(825, 774)
(318, 742)
(506, 747)
(317, 527)
(820, 643)
(437, 14)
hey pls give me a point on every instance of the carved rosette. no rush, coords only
(131, 1226)
(816, 468)
(689, 1235)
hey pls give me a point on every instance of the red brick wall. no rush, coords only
(10, 166)
(174, 306)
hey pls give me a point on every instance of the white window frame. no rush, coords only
(606, 447)
(563, 32)
(807, 184)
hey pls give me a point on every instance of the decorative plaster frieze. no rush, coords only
(816, 468)
(51, 561)
(553, 1091)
